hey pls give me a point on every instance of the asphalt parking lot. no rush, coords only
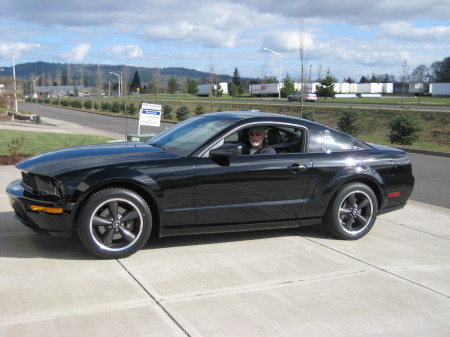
(393, 282)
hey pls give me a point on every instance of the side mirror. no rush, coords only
(227, 150)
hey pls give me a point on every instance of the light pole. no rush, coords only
(310, 82)
(279, 69)
(16, 111)
(120, 81)
(14, 78)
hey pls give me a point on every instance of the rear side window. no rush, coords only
(332, 142)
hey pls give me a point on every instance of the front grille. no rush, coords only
(28, 180)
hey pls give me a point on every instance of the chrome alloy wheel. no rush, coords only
(116, 224)
(355, 212)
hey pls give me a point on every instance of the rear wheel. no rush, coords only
(114, 223)
(352, 212)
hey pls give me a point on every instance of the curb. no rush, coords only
(426, 152)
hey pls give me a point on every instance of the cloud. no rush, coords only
(8, 49)
(405, 31)
(124, 52)
(77, 54)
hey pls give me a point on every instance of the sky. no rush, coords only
(350, 38)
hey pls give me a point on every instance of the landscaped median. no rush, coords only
(374, 122)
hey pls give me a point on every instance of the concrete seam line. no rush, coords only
(376, 267)
(155, 300)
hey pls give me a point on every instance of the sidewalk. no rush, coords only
(57, 126)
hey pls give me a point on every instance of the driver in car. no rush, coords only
(258, 142)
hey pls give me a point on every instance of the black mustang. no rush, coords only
(193, 178)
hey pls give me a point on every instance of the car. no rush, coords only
(193, 178)
(307, 97)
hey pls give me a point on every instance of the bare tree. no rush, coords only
(156, 81)
(99, 80)
(7, 94)
(125, 76)
(320, 73)
(405, 76)
(213, 80)
(58, 80)
(302, 58)
(82, 76)
(420, 74)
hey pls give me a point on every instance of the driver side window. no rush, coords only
(281, 139)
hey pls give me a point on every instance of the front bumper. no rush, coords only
(53, 224)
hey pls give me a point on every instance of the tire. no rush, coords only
(289, 99)
(114, 223)
(352, 212)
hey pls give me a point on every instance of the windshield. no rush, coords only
(185, 137)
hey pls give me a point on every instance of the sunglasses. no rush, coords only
(257, 133)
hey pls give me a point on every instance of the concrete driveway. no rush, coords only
(393, 282)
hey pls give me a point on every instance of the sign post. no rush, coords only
(149, 115)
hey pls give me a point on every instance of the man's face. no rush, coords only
(256, 137)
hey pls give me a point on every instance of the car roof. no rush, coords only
(259, 116)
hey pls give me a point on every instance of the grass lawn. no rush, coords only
(39, 142)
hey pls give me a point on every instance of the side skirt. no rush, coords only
(236, 228)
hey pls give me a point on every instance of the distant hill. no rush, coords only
(70, 73)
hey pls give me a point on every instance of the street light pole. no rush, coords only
(120, 81)
(279, 69)
(16, 110)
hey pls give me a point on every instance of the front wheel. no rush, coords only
(114, 223)
(352, 212)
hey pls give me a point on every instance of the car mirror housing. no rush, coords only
(227, 150)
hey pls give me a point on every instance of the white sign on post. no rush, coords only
(149, 115)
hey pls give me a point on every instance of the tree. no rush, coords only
(135, 83)
(7, 96)
(156, 82)
(167, 111)
(434, 71)
(172, 86)
(364, 80)
(289, 86)
(348, 122)
(182, 113)
(405, 129)
(443, 71)
(234, 90)
(420, 75)
(125, 78)
(191, 87)
(326, 87)
(237, 82)
(236, 78)
(349, 80)
(405, 76)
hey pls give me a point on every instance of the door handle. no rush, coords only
(297, 168)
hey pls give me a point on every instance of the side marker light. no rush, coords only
(53, 210)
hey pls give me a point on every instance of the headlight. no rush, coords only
(47, 186)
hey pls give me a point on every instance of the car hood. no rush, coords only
(90, 156)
